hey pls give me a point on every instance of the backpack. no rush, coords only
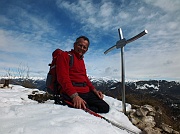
(52, 85)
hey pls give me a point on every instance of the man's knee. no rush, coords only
(105, 108)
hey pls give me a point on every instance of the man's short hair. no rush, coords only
(84, 37)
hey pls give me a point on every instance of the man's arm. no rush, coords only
(62, 70)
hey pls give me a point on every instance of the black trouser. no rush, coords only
(94, 103)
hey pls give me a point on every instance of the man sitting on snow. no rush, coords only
(76, 86)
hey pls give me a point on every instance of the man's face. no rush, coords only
(81, 46)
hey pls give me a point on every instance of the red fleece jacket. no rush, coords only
(77, 73)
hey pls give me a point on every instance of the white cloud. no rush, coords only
(106, 9)
(166, 5)
(91, 15)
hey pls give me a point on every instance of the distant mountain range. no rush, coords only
(171, 88)
(164, 87)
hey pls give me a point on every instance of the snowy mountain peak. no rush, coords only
(102, 79)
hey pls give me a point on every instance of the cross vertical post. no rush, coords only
(122, 73)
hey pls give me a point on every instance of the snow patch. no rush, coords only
(18, 114)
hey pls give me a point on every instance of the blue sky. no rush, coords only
(30, 30)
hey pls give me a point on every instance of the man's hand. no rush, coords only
(78, 102)
(98, 93)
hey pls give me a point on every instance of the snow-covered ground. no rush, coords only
(20, 115)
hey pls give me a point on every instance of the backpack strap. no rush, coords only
(71, 59)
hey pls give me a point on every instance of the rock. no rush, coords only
(149, 130)
(151, 113)
(149, 108)
(40, 97)
(135, 120)
(144, 110)
(175, 132)
(135, 106)
(34, 92)
(167, 128)
(141, 125)
(141, 112)
(149, 120)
